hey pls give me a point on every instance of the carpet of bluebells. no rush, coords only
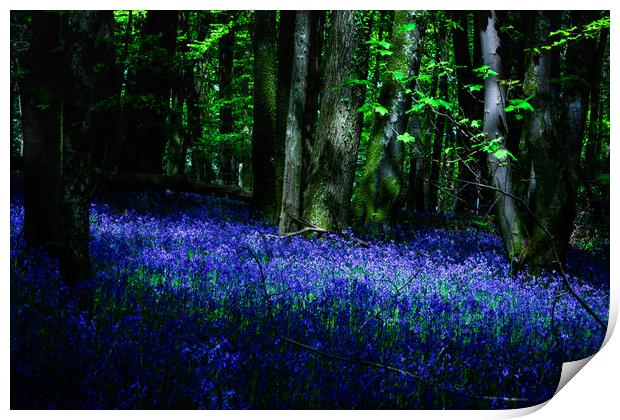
(178, 318)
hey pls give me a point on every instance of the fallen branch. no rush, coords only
(299, 232)
(175, 183)
(310, 228)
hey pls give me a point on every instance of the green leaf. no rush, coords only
(353, 81)
(364, 108)
(485, 71)
(399, 75)
(436, 102)
(406, 138)
(480, 71)
(382, 44)
(407, 27)
(381, 110)
(474, 88)
(503, 154)
(518, 104)
(416, 108)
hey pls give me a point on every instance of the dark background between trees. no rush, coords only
(323, 120)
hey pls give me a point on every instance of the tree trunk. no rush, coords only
(149, 95)
(106, 151)
(60, 115)
(415, 192)
(485, 195)
(42, 91)
(436, 155)
(295, 128)
(286, 33)
(509, 223)
(468, 168)
(313, 89)
(202, 169)
(90, 35)
(548, 160)
(265, 110)
(228, 174)
(575, 103)
(175, 157)
(177, 141)
(332, 167)
(439, 88)
(380, 188)
(593, 147)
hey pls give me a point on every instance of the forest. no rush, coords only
(280, 209)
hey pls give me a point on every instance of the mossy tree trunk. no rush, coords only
(554, 135)
(382, 181)
(264, 132)
(541, 134)
(332, 167)
(295, 127)
(509, 222)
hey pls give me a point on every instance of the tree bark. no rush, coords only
(415, 184)
(380, 188)
(228, 173)
(436, 155)
(264, 132)
(61, 109)
(295, 128)
(313, 88)
(202, 169)
(546, 151)
(509, 223)
(149, 95)
(90, 33)
(575, 103)
(286, 31)
(183, 83)
(468, 170)
(332, 167)
(593, 147)
(42, 91)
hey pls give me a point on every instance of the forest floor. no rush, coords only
(180, 316)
